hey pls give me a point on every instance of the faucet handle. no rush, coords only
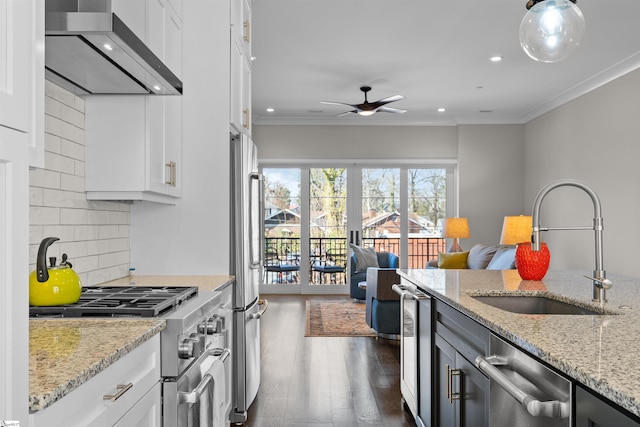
(602, 282)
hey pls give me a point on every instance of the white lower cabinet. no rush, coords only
(126, 393)
(147, 412)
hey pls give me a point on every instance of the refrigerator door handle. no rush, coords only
(256, 263)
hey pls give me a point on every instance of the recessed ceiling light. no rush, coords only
(107, 46)
(270, 110)
(495, 58)
(441, 110)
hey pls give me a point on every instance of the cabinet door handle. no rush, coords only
(247, 31)
(246, 118)
(172, 174)
(122, 389)
(451, 395)
(457, 395)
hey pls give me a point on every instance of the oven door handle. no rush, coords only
(194, 395)
(536, 408)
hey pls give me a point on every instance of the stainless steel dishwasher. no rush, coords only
(524, 392)
(415, 342)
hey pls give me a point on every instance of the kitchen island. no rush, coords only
(600, 351)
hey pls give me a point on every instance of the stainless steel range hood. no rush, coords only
(89, 50)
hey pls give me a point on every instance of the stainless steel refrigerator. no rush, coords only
(246, 265)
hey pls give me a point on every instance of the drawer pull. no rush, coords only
(122, 389)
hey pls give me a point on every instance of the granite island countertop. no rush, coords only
(600, 351)
(64, 353)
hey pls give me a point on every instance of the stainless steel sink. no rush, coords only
(525, 304)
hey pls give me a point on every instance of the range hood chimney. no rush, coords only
(89, 50)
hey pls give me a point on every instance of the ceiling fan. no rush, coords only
(369, 108)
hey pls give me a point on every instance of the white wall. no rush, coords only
(95, 235)
(594, 139)
(490, 159)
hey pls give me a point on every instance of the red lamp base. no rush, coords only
(532, 265)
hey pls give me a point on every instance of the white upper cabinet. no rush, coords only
(22, 72)
(240, 93)
(134, 143)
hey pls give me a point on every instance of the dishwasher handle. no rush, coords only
(536, 408)
(409, 292)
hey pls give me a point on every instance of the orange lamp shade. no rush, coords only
(516, 229)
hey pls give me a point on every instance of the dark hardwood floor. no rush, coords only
(318, 381)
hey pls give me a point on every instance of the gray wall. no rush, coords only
(491, 160)
(594, 139)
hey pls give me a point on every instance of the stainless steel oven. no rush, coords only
(524, 392)
(196, 364)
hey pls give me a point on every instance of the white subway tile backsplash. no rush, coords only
(72, 149)
(35, 196)
(44, 178)
(113, 259)
(56, 162)
(72, 183)
(71, 116)
(65, 199)
(94, 234)
(74, 216)
(58, 127)
(42, 215)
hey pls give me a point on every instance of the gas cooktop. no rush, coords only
(120, 301)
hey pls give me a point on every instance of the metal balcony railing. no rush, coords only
(330, 251)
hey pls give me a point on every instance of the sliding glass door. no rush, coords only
(313, 212)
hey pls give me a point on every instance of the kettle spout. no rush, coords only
(42, 273)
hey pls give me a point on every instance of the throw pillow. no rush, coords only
(453, 260)
(504, 259)
(365, 257)
(480, 255)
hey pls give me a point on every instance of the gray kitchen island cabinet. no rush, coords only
(592, 411)
(461, 391)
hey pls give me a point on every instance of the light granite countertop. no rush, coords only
(64, 353)
(600, 351)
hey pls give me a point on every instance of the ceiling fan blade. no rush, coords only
(390, 99)
(391, 110)
(337, 103)
(346, 113)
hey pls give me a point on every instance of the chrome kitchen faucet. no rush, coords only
(599, 277)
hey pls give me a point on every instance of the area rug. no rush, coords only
(337, 319)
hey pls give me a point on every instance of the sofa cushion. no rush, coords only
(480, 256)
(504, 259)
(453, 260)
(365, 257)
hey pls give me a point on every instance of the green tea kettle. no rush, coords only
(55, 285)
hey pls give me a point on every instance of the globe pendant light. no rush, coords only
(551, 29)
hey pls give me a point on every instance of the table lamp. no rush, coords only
(516, 229)
(456, 228)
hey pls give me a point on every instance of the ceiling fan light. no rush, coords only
(367, 113)
(551, 29)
